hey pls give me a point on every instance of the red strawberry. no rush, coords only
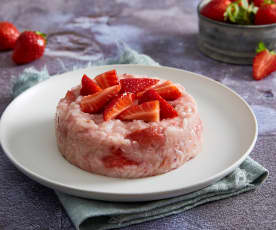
(215, 9)
(29, 46)
(8, 35)
(166, 110)
(134, 85)
(259, 3)
(88, 86)
(95, 102)
(266, 13)
(148, 137)
(118, 105)
(264, 63)
(148, 111)
(117, 160)
(107, 79)
(168, 91)
(70, 96)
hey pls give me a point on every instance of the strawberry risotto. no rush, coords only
(128, 126)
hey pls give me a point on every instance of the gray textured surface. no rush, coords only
(166, 30)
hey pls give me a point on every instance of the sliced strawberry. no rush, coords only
(264, 63)
(88, 86)
(168, 91)
(70, 96)
(148, 111)
(140, 94)
(151, 136)
(117, 160)
(166, 110)
(118, 105)
(134, 85)
(107, 79)
(95, 102)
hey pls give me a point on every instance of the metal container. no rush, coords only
(232, 43)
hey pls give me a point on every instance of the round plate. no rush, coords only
(27, 136)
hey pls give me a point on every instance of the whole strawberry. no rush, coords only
(266, 13)
(8, 35)
(29, 46)
(215, 9)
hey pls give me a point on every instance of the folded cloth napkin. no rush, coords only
(92, 214)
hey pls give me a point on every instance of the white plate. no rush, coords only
(28, 137)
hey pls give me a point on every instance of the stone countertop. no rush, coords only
(81, 31)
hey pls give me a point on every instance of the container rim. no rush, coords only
(228, 24)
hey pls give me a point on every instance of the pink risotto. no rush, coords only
(127, 148)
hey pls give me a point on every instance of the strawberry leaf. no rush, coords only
(240, 12)
(261, 47)
(252, 8)
(244, 3)
(232, 12)
(41, 34)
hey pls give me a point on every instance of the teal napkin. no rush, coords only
(92, 214)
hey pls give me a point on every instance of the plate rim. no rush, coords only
(144, 196)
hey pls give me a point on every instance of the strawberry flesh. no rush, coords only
(264, 63)
(135, 85)
(88, 86)
(148, 137)
(118, 105)
(168, 91)
(148, 111)
(117, 160)
(107, 79)
(166, 110)
(95, 102)
(70, 96)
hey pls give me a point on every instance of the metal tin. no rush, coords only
(232, 43)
